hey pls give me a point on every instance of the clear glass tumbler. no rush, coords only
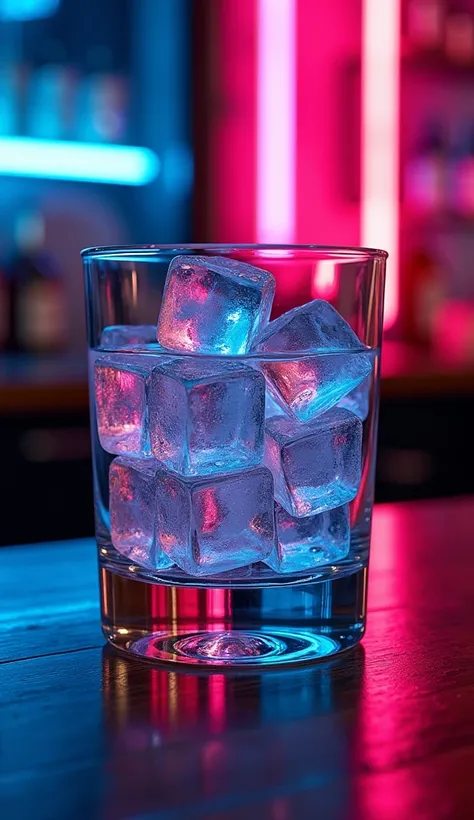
(233, 492)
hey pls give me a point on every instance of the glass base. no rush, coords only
(238, 647)
(234, 627)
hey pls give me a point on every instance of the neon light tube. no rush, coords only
(81, 161)
(380, 138)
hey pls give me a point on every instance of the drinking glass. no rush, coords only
(259, 612)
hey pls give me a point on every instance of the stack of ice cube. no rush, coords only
(223, 462)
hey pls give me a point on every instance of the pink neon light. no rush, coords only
(380, 136)
(276, 121)
(232, 133)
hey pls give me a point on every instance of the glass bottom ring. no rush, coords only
(236, 647)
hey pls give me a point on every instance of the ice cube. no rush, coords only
(357, 401)
(304, 543)
(132, 485)
(272, 407)
(121, 385)
(214, 305)
(206, 416)
(210, 526)
(331, 360)
(136, 336)
(316, 466)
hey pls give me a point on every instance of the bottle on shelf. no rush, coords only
(49, 96)
(425, 25)
(5, 296)
(454, 331)
(459, 35)
(38, 303)
(101, 100)
(423, 296)
(10, 95)
(425, 177)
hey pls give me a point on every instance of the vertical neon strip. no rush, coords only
(231, 202)
(380, 137)
(276, 120)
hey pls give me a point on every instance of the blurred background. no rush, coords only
(135, 121)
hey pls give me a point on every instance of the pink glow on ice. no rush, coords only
(122, 481)
(276, 120)
(339, 440)
(380, 138)
(120, 403)
(197, 290)
(297, 381)
(188, 336)
(211, 516)
(167, 540)
(258, 525)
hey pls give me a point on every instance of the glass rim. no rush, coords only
(106, 252)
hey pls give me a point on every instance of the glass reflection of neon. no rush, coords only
(77, 161)
(380, 126)
(325, 282)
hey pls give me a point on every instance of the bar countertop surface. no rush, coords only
(386, 731)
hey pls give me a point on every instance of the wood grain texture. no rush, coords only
(48, 599)
(386, 731)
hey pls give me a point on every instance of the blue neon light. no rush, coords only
(81, 161)
(27, 9)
